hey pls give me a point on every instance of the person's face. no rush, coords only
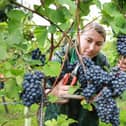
(90, 43)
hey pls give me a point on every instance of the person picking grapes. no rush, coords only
(92, 39)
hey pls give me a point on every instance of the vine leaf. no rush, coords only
(15, 26)
(85, 105)
(119, 20)
(62, 120)
(41, 35)
(12, 89)
(52, 98)
(3, 51)
(71, 5)
(51, 68)
(56, 16)
(85, 7)
(110, 9)
(73, 89)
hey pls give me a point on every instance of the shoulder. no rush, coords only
(60, 53)
(101, 60)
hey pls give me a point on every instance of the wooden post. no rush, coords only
(5, 105)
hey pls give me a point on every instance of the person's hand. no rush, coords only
(122, 63)
(60, 89)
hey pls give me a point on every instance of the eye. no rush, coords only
(89, 40)
(99, 43)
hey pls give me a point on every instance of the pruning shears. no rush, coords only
(71, 77)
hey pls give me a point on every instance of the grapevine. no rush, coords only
(94, 82)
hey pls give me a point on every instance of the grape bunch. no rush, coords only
(37, 55)
(121, 44)
(106, 108)
(118, 81)
(106, 86)
(103, 87)
(32, 88)
(1, 85)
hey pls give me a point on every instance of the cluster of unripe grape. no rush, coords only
(37, 55)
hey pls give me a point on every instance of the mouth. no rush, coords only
(87, 54)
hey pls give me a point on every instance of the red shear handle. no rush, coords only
(66, 78)
(74, 80)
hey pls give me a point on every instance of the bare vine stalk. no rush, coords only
(78, 34)
(53, 47)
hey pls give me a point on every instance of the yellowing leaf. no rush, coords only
(86, 105)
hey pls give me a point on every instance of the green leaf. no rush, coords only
(12, 89)
(3, 26)
(97, 3)
(2, 92)
(31, 61)
(70, 4)
(52, 98)
(39, 9)
(15, 40)
(3, 51)
(106, 18)
(57, 16)
(110, 9)
(51, 122)
(48, 2)
(51, 68)
(66, 13)
(62, 120)
(115, 28)
(52, 29)
(15, 26)
(3, 4)
(119, 20)
(17, 71)
(85, 7)
(16, 15)
(41, 35)
(123, 30)
(72, 89)
(85, 105)
(7, 66)
(19, 80)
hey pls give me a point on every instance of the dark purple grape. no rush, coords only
(32, 88)
(121, 44)
(37, 55)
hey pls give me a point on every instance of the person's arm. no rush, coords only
(60, 89)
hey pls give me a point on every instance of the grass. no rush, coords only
(15, 117)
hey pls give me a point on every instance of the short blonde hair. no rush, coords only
(97, 27)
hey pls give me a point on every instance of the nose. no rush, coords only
(91, 46)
